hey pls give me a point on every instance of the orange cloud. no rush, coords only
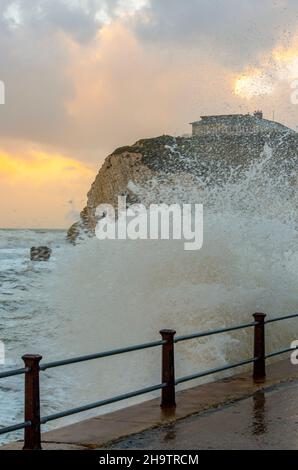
(125, 90)
(253, 84)
(279, 65)
(39, 167)
(41, 189)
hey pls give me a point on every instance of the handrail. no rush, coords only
(97, 404)
(112, 352)
(15, 427)
(286, 317)
(281, 351)
(214, 371)
(32, 422)
(137, 347)
(214, 332)
(11, 373)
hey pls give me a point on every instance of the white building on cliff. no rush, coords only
(235, 124)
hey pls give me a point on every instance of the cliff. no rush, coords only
(210, 157)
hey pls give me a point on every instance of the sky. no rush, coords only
(83, 77)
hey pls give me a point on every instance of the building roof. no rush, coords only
(231, 119)
(223, 117)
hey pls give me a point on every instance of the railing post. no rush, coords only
(32, 438)
(259, 371)
(168, 369)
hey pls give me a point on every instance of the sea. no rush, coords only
(100, 295)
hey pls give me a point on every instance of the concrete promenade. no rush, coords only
(265, 421)
(234, 412)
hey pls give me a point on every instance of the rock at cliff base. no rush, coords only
(40, 253)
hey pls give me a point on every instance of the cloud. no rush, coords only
(125, 90)
(39, 167)
(36, 42)
(81, 19)
(89, 75)
(75, 17)
(83, 77)
(35, 187)
(32, 68)
(233, 31)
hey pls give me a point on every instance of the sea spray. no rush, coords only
(114, 293)
(100, 295)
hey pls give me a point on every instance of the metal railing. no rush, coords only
(33, 421)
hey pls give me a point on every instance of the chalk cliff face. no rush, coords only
(209, 157)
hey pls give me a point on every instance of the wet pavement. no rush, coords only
(220, 414)
(267, 420)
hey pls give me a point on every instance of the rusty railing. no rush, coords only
(33, 420)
